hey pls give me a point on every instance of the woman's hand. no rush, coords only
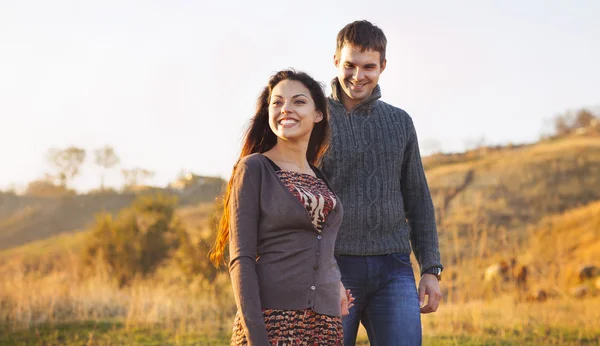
(347, 299)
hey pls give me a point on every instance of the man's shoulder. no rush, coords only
(389, 108)
(394, 111)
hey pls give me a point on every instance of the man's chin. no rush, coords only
(358, 96)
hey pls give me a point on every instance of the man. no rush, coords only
(375, 167)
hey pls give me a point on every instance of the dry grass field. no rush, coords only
(535, 207)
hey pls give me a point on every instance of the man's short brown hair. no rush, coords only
(364, 35)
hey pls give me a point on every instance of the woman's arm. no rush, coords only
(243, 234)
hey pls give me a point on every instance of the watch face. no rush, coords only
(437, 271)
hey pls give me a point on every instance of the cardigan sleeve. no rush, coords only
(243, 233)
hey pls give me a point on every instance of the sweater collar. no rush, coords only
(336, 93)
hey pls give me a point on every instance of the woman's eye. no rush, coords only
(276, 103)
(300, 102)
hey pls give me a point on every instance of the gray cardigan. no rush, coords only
(277, 258)
(374, 166)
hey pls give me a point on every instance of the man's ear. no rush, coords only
(383, 64)
(336, 61)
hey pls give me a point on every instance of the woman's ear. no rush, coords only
(319, 117)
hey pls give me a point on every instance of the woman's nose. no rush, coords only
(286, 108)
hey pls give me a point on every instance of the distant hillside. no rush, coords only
(486, 200)
(27, 219)
(57, 250)
(571, 239)
(24, 219)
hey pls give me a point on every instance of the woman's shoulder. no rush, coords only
(253, 164)
(255, 160)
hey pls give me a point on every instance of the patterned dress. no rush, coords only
(300, 327)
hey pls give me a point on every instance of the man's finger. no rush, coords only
(433, 302)
(422, 291)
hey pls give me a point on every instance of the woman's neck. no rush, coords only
(290, 156)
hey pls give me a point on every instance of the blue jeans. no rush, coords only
(386, 299)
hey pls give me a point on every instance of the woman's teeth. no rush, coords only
(288, 122)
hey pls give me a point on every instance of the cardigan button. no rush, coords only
(313, 288)
(319, 237)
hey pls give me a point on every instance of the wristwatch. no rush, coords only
(437, 271)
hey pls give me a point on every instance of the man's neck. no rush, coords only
(348, 102)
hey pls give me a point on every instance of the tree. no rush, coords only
(133, 177)
(106, 158)
(571, 121)
(45, 187)
(141, 238)
(67, 162)
(561, 125)
(583, 118)
(192, 256)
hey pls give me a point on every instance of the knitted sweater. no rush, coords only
(374, 166)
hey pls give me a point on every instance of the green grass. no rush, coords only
(104, 334)
(553, 338)
(115, 333)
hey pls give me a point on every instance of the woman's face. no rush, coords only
(292, 111)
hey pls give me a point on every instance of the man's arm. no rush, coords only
(418, 205)
(420, 213)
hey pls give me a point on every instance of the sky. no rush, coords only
(171, 85)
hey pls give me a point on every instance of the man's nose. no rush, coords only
(358, 74)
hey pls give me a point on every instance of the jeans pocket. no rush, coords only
(402, 259)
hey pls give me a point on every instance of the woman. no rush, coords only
(281, 219)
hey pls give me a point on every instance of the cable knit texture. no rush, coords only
(375, 168)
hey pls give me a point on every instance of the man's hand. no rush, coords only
(347, 300)
(429, 286)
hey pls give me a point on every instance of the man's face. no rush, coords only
(358, 73)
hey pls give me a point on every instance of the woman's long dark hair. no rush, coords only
(259, 138)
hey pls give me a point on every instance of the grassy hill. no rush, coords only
(487, 200)
(24, 218)
(561, 244)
